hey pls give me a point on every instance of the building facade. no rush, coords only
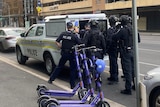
(148, 10)
(14, 12)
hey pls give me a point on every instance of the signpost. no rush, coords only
(39, 7)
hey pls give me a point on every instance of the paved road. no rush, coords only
(149, 58)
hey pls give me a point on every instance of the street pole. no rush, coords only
(135, 44)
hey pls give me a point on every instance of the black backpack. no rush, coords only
(108, 37)
(95, 39)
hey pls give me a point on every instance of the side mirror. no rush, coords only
(22, 34)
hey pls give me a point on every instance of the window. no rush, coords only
(2, 33)
(39, 31)
(31, 32)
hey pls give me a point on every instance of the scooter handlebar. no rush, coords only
(77, 46)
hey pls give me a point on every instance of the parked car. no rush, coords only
(152, 83)
(8, 37)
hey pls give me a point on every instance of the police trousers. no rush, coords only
(127, 62)
(113, 56)
(73, 72)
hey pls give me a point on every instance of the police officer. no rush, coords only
(129, 24)
(85, 30)
(94, 37)
(112, 50)
(68, 40)
(125, 36)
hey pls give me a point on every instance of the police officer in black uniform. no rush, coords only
(94, 37)
(129, 24)
(112, 50)
(69, 39)
(83, 32)
(125, 36)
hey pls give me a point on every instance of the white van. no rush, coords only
(38, 41)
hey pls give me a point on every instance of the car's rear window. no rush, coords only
(15, 32)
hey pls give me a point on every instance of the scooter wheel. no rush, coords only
(41, 101)
(102, 104)
(40, 86)
(41, 89)
(82, 93)
(51, 103)
(91, 99)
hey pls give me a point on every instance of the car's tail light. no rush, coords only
(11, 37)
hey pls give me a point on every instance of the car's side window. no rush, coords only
(2, 33)
(31, 32)
(39, 31)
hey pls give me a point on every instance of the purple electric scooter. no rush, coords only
(43, 90)
(94, 101)
(85, 93)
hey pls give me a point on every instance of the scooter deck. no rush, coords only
(77, 105)
(71, 102)
(59, 93)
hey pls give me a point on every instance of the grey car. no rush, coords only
(8, 36)
(152, 84)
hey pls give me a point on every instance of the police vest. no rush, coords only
(68, 40)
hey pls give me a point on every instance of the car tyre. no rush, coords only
(155, 99)
(20, 58)
(1, 47)
(49, 63)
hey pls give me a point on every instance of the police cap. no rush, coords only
(69, 25)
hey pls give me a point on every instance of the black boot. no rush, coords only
(127, 92)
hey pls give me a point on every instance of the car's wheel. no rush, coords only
(155, 100)
(49, 63)
(1, 47)
(20, 58)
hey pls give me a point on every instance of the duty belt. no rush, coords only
(67, 51)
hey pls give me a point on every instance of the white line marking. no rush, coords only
(149, 64)
(149, 50)
(145, 63)
(112, 103)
